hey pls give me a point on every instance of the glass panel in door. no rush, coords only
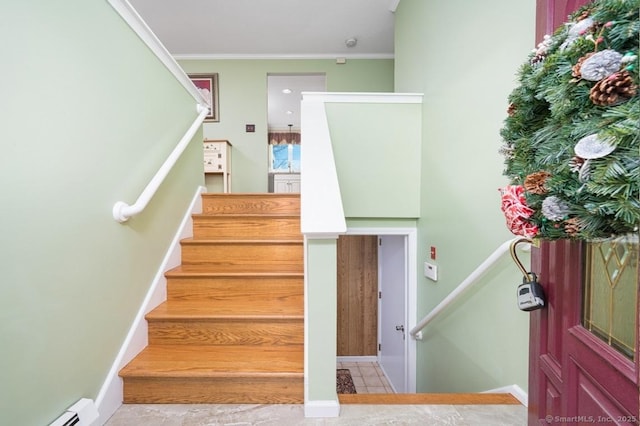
(610, 292)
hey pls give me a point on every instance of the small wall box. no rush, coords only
(217, 159)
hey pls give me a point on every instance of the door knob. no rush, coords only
(400, 328)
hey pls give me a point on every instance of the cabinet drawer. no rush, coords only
(213, 147)
(214, 163)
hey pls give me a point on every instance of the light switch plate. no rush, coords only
(431, 271)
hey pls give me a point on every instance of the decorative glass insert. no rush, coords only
(610, 292)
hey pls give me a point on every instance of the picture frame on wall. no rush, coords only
(207, 84)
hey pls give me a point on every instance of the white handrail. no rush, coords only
(416, 332)
(123, 211)
(142, 30)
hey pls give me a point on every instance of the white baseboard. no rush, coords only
(514, 390)
(111, 394)
(357, 359)
(329, 408)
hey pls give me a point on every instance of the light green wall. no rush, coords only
(243, 100)
(377, 153)
(464, 56)
(322, 292)
(88, 116)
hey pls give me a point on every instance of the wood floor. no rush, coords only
(430, 399)
(232, 327)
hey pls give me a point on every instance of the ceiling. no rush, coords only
(273, 29)
(284, 93)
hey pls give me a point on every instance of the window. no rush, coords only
(284, 158)
(610, 292)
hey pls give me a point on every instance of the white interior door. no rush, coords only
(392, 259)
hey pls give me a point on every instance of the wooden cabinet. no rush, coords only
(217, 159)
(286, 182)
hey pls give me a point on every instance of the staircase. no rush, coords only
(232, 327)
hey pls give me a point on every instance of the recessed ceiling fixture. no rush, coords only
(289, 112)
(351, 42)
(286, 91)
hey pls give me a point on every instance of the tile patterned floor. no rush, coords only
(367, 377)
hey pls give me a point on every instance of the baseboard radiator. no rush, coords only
(82, 413)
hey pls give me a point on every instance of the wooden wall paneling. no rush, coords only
(370, 295)
(357, 295)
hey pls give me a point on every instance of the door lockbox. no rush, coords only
(530, 294)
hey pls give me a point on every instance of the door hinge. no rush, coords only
(379, 347)
(379, 295)
(379, 241)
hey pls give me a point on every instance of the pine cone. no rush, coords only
(575, 164)
(575, 71)
(534, 183)
(572, 226)
(538, 57)
(507, 150)
(584, 15)
(554, 208)
(614, 89)
(511, 110)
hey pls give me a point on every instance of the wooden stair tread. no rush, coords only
(430, 398)
(204, 311)
(249, 239)
(241, 241)
(216, 361)
(196, 270)
(253, 215)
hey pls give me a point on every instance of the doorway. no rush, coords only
(376, 302)
(284, 95)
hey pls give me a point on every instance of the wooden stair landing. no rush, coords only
(430, 399)
(232, 327)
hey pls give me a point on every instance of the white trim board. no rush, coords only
(329, 408)
(372, 358)
(111, 393)
(280, 56)
(514, 390)
(363, 97)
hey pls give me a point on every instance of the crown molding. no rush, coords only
(275, 56)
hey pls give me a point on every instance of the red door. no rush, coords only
(550, 14)
(577, 375)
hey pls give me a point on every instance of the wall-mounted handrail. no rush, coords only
(142, 30)
(416, 332)
(123, 211)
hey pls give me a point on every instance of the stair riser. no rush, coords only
(226, 333)
(231, 291)
(254, 228)
(214, 390)
(245, 257)
(251, 204)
